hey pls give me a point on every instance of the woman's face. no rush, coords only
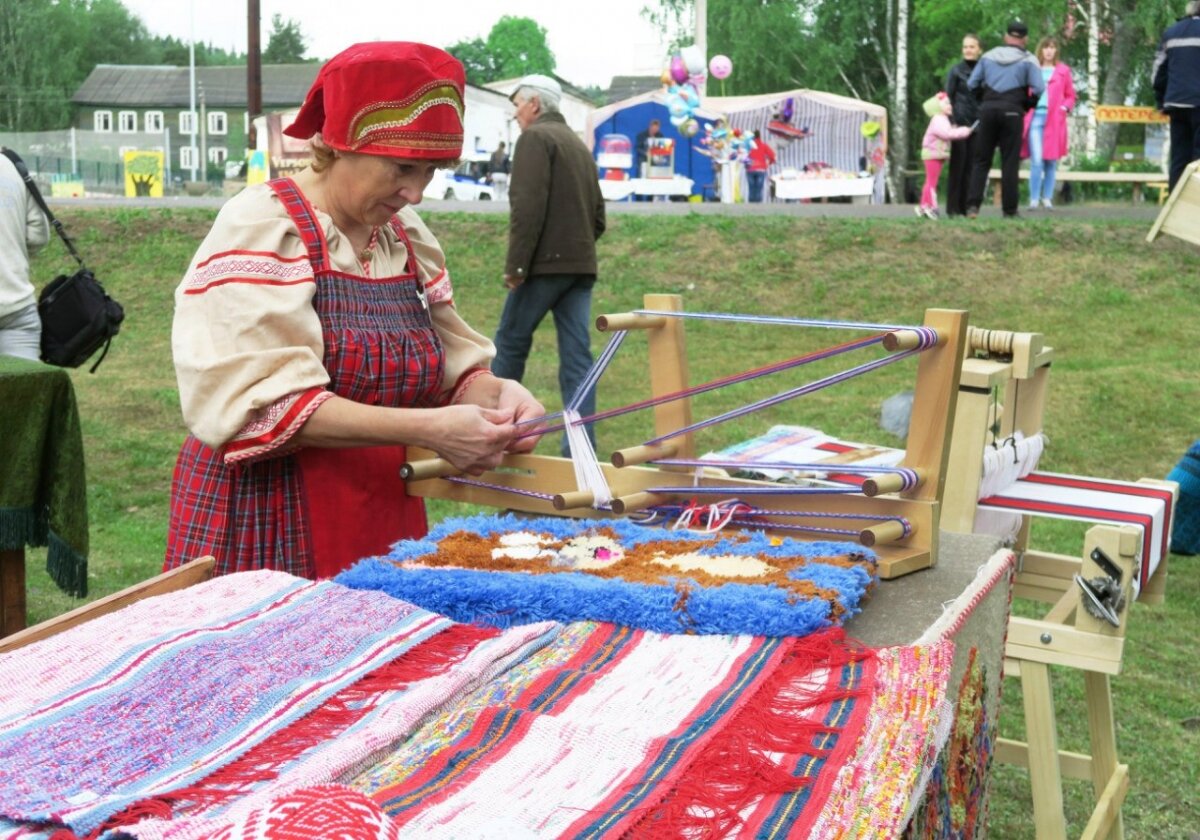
(970, 49)
(1049, 53)
(374, 187)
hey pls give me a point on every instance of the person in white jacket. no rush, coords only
(23, 231)
(935, 149)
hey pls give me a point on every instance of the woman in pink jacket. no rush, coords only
(1046, 125)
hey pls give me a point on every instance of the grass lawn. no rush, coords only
(1123, 403)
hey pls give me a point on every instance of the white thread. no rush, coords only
(588, 474)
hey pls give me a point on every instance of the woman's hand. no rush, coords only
(471, 438)
(516, 398)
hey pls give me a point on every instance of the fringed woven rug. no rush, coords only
(952, 802)
(504, 570)
(192, 682)
(609, 731)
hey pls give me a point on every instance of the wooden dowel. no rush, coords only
(883, 533)
(901, 340)
(635, 501)
(641, 454)
(629, 321)
(877, 485)
(574, 499)
(428, 468)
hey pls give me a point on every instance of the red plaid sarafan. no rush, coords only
(312, 512)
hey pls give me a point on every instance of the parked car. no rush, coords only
(466, 183)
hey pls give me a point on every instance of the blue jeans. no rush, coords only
(1041, 171)
(569, 297)
(755, 181)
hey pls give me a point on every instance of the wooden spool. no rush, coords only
(428, 468)
(877, 485)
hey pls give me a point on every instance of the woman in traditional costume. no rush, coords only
(315, 335)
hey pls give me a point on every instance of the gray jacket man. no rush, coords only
(1008, 82)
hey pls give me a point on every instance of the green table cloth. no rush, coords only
(43, 486)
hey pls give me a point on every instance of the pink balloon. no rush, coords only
(720, 66)
(679, 71)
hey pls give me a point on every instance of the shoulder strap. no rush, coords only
(41, 202)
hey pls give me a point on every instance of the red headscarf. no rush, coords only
(390, 98)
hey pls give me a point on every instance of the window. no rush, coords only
(154, 122)
(217, 123)
(187, 157)
(127, 122)
(187, 122)
(217, 154)
(102, 121)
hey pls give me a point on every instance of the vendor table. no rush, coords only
(43, 487)
(657, 187)
(859, 190)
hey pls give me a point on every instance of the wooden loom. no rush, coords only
(927, 452)
(1017, 365)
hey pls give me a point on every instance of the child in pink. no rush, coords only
(935, 150)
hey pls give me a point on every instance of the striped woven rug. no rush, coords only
(103, 730)
(613, 732)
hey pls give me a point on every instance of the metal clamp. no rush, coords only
(1103, 596)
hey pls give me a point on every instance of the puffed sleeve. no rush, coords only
(467, 352)
(246, 340)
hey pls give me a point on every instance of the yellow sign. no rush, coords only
(256, 167)
(1129, 114)
(143, 174)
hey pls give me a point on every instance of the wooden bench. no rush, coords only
(1137, 180)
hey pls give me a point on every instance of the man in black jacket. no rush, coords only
(1176, 78)
(556, 215)
(1008, 82)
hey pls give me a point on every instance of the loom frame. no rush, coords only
(928, 451)
(1065, 635)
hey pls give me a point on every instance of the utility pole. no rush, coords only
(701, 23)
(253, 73)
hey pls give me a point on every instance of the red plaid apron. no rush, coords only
(315, 511)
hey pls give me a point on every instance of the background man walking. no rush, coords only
(556, 215)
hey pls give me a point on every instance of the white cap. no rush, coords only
(541, 83)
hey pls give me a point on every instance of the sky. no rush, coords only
(591, 42)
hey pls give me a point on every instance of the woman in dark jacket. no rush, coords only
(966, 111)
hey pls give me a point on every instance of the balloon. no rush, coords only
(679, 121)
(677, 108)
(720, 66)
(678, 69)
(690, 128)
(693, 59)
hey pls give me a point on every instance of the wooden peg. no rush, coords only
(885, 532)
(641, 454)
(635, 501)
(629, 321)
(877, 485)
(428, 468)
(574, 499)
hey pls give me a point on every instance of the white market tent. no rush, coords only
(834, 122)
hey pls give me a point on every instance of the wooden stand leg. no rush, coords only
(1105, 768)
(12, 591)
(1041, 733)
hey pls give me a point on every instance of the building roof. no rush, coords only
(626, 87)
(148, 86)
